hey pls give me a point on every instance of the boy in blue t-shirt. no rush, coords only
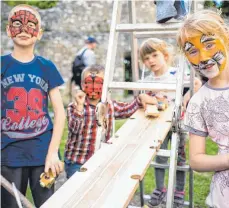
(29, 140)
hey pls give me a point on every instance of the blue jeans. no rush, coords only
(71, 168)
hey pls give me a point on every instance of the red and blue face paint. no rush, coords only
(23, 21)
(93, 86)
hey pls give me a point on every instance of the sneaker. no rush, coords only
(157, 198)
(178, 199)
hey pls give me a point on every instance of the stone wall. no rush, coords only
(67, 25)
(70, 22)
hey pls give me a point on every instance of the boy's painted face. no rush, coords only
(93, 85)
(24, 27)
(23, 21)
(155, 61)
(206, 54)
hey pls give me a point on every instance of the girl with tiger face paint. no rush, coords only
(205, 42)
(206, 54)
(204, 38)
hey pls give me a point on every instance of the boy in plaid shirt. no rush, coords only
(81, 118)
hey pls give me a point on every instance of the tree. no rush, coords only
(220, 4)
(39, 4)
(208, 4)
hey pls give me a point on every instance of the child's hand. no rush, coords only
(53, 162)
(79, 99)
(161, 96)
(147, 99)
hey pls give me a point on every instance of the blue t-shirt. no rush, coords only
(26, 127)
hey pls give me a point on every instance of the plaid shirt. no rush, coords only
(82, 128)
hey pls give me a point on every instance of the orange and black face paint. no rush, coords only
(20, 21)
(204, 51)
(93, 86)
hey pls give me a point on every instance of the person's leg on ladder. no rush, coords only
(159, 194)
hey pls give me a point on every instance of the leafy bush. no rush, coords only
(39, 4)
(208, 4)
(220, 4)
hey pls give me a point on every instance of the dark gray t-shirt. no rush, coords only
(88, 56)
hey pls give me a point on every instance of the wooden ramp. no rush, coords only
(110, 178)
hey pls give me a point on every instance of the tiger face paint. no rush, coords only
(24, 21)
(206, 54)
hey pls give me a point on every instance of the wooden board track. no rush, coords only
(110, 178)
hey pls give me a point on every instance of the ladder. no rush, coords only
(143, 31)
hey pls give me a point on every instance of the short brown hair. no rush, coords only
(154, 44)
(93, 68)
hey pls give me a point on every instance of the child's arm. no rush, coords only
(52, 158)
(147, 99)
(201, 162)
(187, 96)
(75, 112)
(125, 110)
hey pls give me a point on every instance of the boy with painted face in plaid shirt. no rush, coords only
(81, 118)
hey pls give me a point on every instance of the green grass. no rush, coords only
(201, 180)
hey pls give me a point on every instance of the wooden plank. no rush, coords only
(155, 86)
(125, 161)
(109, 165)
(119, 194)
(114, 162)
(151, 110)
(120, 143)
(116, 168)
(95, 165)
(147, 85)
(78, 179)
(143, 158)
(88, 197)
(147, 27)
(122, 187)
(112, 47)
(132, 122)
(147, 34)
(134, 42)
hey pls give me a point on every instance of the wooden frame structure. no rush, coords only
(100, 183)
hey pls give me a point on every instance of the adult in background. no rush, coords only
(85, 57)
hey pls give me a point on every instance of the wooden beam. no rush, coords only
(111, 176)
